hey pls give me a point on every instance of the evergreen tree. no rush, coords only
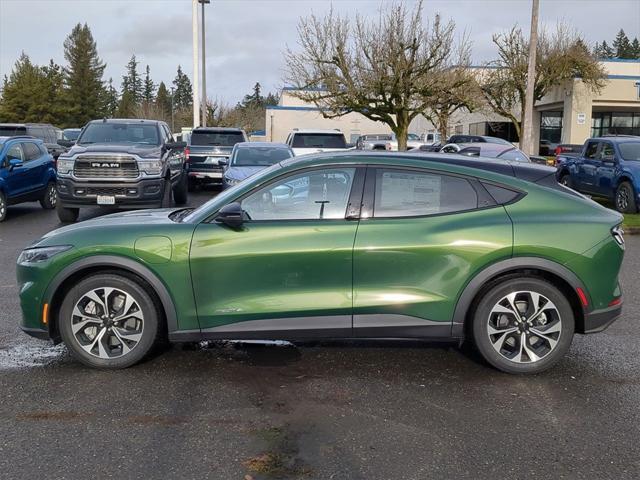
(272, 99)
(183, 95)
(132, 82)
(163, 102)
(128, 106)
(635, 48)
(622, 46)
(254, 99)
(84, 89)
(606, 51)
(24, 93)
(149, 88)
(112, 101)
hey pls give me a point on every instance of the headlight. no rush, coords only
(65, 166)
(151, 167)
(30, 256)
(232, 181)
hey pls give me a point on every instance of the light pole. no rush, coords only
(204, 68)
(526, 142)
(196, 75)
(173, 127)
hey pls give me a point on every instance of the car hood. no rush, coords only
(110, 148)
(240, 173)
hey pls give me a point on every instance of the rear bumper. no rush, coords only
(142, 194)
(599, 320)
(205, 175)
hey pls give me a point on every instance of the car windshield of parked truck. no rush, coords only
(71, 134)
(413, 137)
(259, 156)
(12, 131)
(119, 133)
(219, 139)
(319, 140)
(630, 151)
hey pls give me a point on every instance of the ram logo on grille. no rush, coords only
(104, 165)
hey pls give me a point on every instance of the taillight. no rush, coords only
(186, 154)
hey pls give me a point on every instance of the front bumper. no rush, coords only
(145, 193)
(38, 333)
(598, 320)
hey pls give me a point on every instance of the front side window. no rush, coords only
(311, 195)
(607, 151)
(106, 132)
(592, 150)
(408, 194)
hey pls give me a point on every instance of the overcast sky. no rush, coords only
(246, 38)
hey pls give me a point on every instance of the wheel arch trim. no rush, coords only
(504, 267)
(117, 262)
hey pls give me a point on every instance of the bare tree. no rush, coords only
(561, 57)
(385, 70)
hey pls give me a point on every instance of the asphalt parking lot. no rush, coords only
(395, 410)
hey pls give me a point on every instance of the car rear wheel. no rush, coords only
(3, 207)
(67, 215)
(109, 321)
(565, 180)
(523, 325)
(50, 197)
(180, 191)
(625, 198)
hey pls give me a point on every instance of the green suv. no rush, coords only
(338, 245)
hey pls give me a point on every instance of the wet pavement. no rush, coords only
(376, 410)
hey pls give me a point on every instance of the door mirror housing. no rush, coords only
(223, 162)
(231, 215)
(14, 162)
(175, 145)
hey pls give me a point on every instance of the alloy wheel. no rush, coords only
(622, 199)
(52, 194)
(3, 207)
(524, 327)
(107, 322)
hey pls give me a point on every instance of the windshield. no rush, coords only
(222, 138)
(119, 133)
(10, 130)
(319, 140)
(413, 136)
(630, 151)
(71, 134)
(259, 156)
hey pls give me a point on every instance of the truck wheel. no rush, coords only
(565, 179)
(67, 215)
(3, 207)
(625, 198)
(165, 201)
(180, 194)
(50, 197)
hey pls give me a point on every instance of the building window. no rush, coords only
(504, 130)
(615, 123)
(458, 129)
(551, 127)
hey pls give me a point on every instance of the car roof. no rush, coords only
(317, 130)
(128, 121)
(72, 129)
(217, 129)
(262, 145)
(25, 125)
(619, 138)
(5, 139)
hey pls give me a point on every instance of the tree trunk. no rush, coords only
(402, 129)
(443, 128)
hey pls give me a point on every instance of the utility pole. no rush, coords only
(196, 75)
(204, 69)
(173, 127)
(526, 142)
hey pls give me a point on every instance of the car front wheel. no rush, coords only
(523, 325)
(109, 321)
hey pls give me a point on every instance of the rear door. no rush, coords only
(422, 235)
(35, 166)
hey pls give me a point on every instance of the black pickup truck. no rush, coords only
(123, 164)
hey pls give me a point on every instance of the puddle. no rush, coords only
(29, 355)
(268, 353)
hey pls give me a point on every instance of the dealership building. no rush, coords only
(570, 113)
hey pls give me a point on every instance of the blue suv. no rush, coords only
(27, 173)
(606, 167)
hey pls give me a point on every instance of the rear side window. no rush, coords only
(501, 195)
(319, 140)
(12, 131)
(514, 155)
(37, 132)
(403, 193)
(31, 151)
(220, 139)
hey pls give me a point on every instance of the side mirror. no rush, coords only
(223, 162)
(175, 145)
(231, 215)
(14, 162)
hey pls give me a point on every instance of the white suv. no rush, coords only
(303, 142)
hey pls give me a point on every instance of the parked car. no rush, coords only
(248, 158)
(209, 148)
(446, 252)
(69, 136)
(121, 163)
(303, 142)
(460, 139)
(27, 173)
(568, 149)
(373, 141)
(43, 131)
(490, 150)
(607, 167)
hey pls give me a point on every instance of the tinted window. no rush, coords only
(11, 131)
(70, 134)
(319, 140)
(592, 150)
(31, 151)
(607, 150)
(222, 138)
(312, 195)
(406, 193)
(119, 133)
(500, 194)
(259, 156)
(15, 153)
(630, 151)
(37, 132)
(515, 155)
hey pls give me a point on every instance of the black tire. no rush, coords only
(625, 199)
(67, 215)
(165, 200)
(545, 355)
(180, 191)
(50, 197)
(3, 207)
(565, 179)
(149, 333)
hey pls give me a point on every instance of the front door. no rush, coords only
(425, 236)
(287, 272)
(17, 178)
(588, 167)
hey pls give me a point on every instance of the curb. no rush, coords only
(631, 230)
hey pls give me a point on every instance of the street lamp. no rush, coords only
(204, 68)
(173, 128)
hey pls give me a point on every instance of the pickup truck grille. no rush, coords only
(105, 167)
(112, 191)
